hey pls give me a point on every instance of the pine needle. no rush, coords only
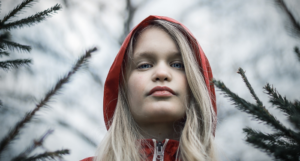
(48, 155)
(14, 46)
(29, 21)
(15, 11)
(14, 63)
(28, 117)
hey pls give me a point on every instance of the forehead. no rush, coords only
(154, 40)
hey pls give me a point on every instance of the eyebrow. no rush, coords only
(147, 54)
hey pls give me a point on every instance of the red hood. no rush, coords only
(112, 81)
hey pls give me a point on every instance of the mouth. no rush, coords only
(161, 91)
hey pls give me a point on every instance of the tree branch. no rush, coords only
(28, 117)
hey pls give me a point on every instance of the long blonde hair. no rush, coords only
(123, 139)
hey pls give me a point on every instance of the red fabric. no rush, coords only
(113, 77)
(87, 159)
(148, 147)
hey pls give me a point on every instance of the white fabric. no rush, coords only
(159, 155)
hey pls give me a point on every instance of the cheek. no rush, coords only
(136, 89)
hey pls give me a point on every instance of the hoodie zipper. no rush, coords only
(159, 150)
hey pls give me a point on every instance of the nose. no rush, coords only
(162, 73)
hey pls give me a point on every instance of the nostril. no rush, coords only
(166, 79)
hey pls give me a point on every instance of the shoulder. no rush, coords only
(88, 159)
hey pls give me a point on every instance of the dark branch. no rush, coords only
(258, 112)
(28, 117)
(12, 46)
(294, 22)
(29, 21)
(15, 11)
(32, 147)
(48, 155)
(242, 73)
(14, 63)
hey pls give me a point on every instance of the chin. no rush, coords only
(164, 114)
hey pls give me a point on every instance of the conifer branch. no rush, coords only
(294, 22)
(12, 46)
(14, 63)
(32, 147)
(15, 11)
(258, 112)
(291, 109)
(242, 73)
(47, 155)
(297, 52)
(28, 117)
(29, 21)
(277, 146)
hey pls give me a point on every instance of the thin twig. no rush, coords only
(242, 73)
(48, 155)
(294, 22)
(16, 130)
(13, 45)
(15, 11)
(34, 145)
(14, 63)
(29, 21)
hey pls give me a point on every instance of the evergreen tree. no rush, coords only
(284, 142)
(6, 47)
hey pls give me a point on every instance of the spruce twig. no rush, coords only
(273, 144)
(242, 73)
(291, 109)
(258, 112)
(294, 22)
(12, 46)
(48, 155)
(16, 130)
(14, 63)
(31, 20)
(35, 144)
(15, 11)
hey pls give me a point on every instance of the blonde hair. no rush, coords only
(123, 139)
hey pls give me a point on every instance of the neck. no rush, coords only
(160, 131)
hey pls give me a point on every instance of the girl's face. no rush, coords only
(157, 85)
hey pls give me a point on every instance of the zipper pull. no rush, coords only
(159, 145)
(160, 152)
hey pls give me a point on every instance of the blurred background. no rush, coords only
(256, 35)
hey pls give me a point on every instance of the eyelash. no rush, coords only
(144, 66)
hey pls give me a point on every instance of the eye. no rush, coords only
(144, 66)
(177, 65)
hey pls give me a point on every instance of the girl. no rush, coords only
(159, 104)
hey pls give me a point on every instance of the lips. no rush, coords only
(161, 91)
